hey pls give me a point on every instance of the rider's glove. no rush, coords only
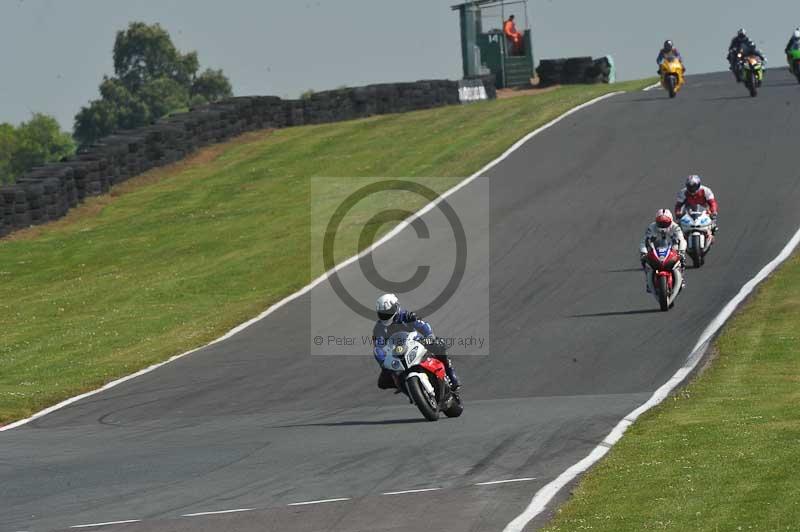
(411, 317)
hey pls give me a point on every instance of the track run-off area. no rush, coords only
(252, 433)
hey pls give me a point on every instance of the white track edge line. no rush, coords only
(321, 501)
(542, 497)
(651, 87)
(404, 492)
(402, 225)
(494, 482)
(108, 523)
(219, 512)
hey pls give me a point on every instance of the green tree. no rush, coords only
(8, 140)
(32, 143)
(164, 95)
(118, 108)
(211, 85)
(145, 53)
(152, 78)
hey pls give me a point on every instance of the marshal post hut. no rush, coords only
(505, 49)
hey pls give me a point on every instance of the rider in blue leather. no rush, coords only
(668, 50)
(391, 319)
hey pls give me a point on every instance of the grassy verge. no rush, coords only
(178, 256)
(724, 454)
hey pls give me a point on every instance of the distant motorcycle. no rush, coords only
(753, 74)
(421, 376)
(663, 263)
(697, 226)
(672, 79)
(737, 65)
(793, 58)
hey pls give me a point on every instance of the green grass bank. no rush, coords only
(724, 453)
(173, 259)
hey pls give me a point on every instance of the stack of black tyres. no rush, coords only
(6, 212)
(47, 192)
(550, 72)
(573, 71)
(600, 71)
(576, 69)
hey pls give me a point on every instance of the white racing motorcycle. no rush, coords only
(697, 227)
(421, 376)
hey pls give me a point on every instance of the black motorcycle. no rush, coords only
(736, 59)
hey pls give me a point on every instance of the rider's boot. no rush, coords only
(683, 272)
(386, 381)
(455, 384)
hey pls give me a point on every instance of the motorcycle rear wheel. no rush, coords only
(420, 397)
(663, 296)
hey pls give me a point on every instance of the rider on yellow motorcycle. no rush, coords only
(668, 50)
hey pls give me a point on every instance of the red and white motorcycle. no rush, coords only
(664, 268)
(420, 376)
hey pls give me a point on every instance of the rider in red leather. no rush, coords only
(696, 194)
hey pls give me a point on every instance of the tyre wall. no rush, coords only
(575, 70)
(46, 193)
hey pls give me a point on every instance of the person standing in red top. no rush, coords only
(695, 194)
(513, 36)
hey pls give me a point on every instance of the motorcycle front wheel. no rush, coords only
(663, 295)
(695, 252)
(752, 85)
(427, 405)
(737, 73)
(671, 83)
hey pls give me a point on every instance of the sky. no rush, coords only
(53, 53)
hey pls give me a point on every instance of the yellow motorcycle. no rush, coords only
(671, 75)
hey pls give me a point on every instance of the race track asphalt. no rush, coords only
(254, 422)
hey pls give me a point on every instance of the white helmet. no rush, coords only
(387, 307)
(664, 219)
(797, 33)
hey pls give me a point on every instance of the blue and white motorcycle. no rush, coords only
(698, 228)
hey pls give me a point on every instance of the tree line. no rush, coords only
(152, 79)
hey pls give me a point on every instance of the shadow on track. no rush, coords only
(626, 270)
(650, 99)
(356, 423)
(619, 313)
(744, 96)
(782, 84)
